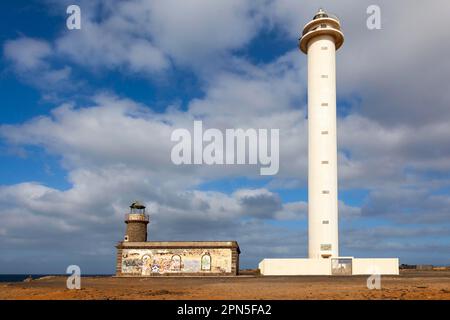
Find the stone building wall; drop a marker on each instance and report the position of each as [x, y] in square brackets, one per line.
[162, 261]
[152, 259]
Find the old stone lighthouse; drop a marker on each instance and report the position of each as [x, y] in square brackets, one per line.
[138, 257]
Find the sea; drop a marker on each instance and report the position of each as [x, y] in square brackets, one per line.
[21, 277]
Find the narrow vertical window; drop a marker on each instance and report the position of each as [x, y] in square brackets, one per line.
[206, 262]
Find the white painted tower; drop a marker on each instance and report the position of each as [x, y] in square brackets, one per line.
[321, 38]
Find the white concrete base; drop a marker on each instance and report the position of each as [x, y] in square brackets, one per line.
[375, 266]
[332, 266]
[294, 267]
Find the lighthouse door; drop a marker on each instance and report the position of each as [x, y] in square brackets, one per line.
[341, 266]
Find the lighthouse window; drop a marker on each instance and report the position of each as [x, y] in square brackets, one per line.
[206, 262]
[324, 132]
[325, 222]
[325, 104]
[325, 192]
[325, 76]
[325, 162]
[324, 48]
[325, 247]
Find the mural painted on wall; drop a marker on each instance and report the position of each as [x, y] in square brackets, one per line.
[151, 261]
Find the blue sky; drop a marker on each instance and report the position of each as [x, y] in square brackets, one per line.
[86, 117]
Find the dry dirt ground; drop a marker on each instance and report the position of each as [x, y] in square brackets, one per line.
[408, 285]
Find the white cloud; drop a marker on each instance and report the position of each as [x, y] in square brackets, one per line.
[108, 46]
[145, 36]
[193, 32]
[347, 211]
[30, 59]
[27, 53]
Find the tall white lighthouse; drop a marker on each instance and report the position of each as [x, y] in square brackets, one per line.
[320, 40]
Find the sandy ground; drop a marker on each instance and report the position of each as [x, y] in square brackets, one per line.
[408, 285]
